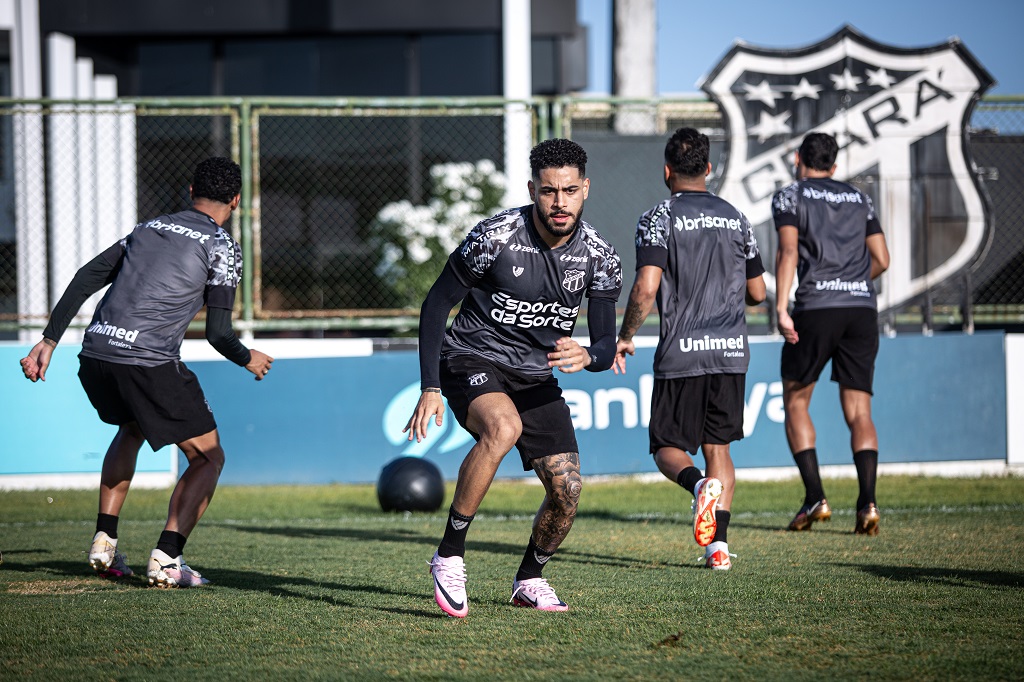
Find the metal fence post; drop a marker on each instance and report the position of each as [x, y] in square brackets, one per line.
[246, 163]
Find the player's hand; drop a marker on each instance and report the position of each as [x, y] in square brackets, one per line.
[259, 364]
[622, 349]
[787, 328]
[569, 356]
[38, 359]
[430, 405]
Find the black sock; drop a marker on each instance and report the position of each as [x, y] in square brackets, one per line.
[689, 477]
[866, 462]
[454, 541]
[807, 463]
[107, 523]
[533, 562]
[171, 543]
[722, 517]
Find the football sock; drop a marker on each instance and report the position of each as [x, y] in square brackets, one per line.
[171, 543]
[454, 541]
[107, 523]
[689, 477]
[722, 517]
[866, 462]
[807, 463]
[533, 562]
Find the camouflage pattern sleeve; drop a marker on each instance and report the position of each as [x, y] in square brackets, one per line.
[784, 206]
[652, 228]
[225, 271]
[478, 251]
[607, 278]
[652, 232]
[873, 225]
[755, 266]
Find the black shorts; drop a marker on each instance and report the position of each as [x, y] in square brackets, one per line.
[547, 424]
[689, 411]
[847, 336]
[166, 401]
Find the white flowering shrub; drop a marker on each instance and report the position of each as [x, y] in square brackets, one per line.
[415, 240]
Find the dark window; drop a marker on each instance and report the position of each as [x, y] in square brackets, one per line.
[363, 66]
[271, 67]
[460, 65]
[176, 68]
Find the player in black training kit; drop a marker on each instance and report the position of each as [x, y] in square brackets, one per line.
[829, 233]
[521, 276]
[697, 255]
[160, 276]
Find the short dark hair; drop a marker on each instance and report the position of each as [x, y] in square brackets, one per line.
[819, 151]
[217, 178]
[558, 153]
[687, 153]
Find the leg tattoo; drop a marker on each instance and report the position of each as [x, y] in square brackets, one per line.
[560, 475]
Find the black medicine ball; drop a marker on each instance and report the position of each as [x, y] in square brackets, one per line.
[410, 484]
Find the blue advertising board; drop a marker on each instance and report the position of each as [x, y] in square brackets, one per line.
[340, 419]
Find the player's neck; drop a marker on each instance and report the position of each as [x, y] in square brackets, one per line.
[216, 210]
[688, 185]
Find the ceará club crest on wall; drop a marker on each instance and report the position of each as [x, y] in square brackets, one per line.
[900, 116]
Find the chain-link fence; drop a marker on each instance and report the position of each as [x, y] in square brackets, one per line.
[953, 217]
[350, 207]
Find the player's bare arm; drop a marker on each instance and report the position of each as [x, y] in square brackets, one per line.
[430, 405]
[756, 290]
[879, 254]
[641, 300]
[785, 272]
[38, 359]
[560, 475]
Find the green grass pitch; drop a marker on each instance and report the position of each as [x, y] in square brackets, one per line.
[316, 583]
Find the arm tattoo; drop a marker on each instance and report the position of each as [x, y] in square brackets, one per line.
[560, 475]
[631, 321]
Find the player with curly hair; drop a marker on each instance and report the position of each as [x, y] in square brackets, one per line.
[521, 276]
[160, 276]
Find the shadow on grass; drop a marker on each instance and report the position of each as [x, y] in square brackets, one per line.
[961, 577]
[295, 587]
[819, 529]
[429, 543]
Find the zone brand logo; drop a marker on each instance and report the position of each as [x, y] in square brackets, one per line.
[573, 259]
[524, 249]
[478, 379]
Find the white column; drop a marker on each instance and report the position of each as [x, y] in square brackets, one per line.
[62, 175]
[21, 17]
[108, 225]
[633, 57]
[127, 177]
[517, 78]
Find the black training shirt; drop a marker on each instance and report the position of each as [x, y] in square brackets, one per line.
[523, 295]
[171, 267]
[707, 250]
[834, 220]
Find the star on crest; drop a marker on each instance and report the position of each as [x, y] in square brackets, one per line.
[880, 77]
[770, 126]
[805, 89]
[847, 81]
[761, 92]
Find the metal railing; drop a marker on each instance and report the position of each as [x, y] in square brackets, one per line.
[350, 206]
